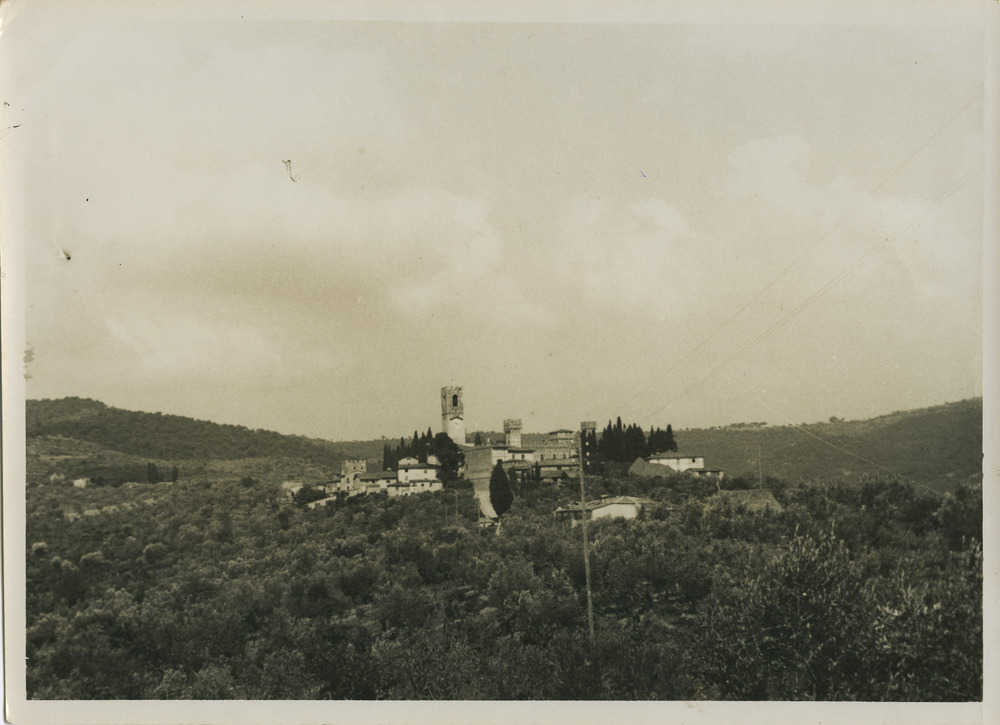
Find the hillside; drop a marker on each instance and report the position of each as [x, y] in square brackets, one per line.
[929, 445]
[212, 589]
[85, 431]
[933, 446]
[701, 596]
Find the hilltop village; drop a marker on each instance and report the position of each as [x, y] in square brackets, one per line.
[556, 457]
[874, 583]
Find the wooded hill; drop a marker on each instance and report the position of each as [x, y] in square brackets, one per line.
[933, 446]
[862, 590]
[155, 435]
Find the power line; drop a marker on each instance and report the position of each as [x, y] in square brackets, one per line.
[809, 300]
[805, 253]
[842, 449]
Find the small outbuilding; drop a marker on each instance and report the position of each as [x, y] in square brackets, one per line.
[616, 507]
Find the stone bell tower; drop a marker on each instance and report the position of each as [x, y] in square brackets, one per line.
[453, 413]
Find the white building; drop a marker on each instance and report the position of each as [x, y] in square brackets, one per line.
[677, 461]
[618, 507]
[416, 472]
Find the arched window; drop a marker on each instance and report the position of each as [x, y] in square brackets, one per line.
[454, 401]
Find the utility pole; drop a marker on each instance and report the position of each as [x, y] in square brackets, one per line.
[760, 470]
[586, 549]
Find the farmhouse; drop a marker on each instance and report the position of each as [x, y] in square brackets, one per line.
[372, 482]
[412, 476]
[617, 507]
[664, 464]
[410, 470]
[408, 488]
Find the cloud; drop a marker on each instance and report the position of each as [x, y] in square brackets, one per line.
[634, 256]
[769, 169]
[817, 231]
[170, 346]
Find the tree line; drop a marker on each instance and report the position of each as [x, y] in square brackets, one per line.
[449, 455]
[154, 435]
[623, 444]
[856, 591]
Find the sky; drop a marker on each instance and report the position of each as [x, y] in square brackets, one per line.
[311, 224]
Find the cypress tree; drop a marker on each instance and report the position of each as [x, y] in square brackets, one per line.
[501, 495]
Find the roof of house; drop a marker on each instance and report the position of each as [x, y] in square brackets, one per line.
[419, 465]
[674, 455]
[321, 502]
[610, 501]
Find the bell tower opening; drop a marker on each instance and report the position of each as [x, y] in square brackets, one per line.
[453, 413]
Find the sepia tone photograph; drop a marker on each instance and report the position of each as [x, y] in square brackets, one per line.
[416, 363]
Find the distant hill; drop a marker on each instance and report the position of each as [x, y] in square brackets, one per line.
[929, 445]
[168, 437]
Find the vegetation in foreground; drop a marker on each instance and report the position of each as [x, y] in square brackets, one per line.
[214, 587]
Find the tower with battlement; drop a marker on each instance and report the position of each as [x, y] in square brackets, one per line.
[453, 413]
[512, 430]
[353, 466]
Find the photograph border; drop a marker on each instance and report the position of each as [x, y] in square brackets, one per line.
[15, 166]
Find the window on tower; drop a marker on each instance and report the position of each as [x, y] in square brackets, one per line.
[454, 401]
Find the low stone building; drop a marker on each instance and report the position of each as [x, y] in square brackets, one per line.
[321, 503]
[400, 488]
[373, 482]
[617, 507]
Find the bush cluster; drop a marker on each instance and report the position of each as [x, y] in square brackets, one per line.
[194, 591]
